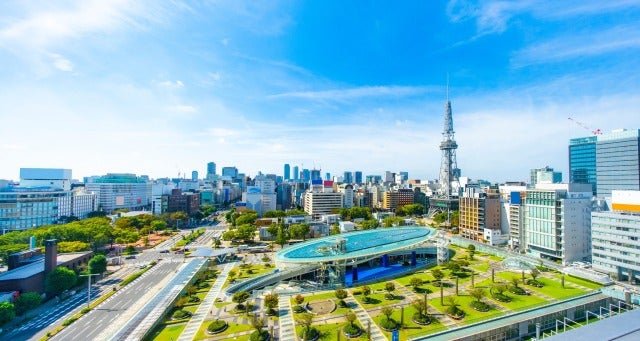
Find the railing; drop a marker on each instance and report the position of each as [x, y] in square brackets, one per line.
[270, 278]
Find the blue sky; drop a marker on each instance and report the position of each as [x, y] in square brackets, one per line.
[159, 87]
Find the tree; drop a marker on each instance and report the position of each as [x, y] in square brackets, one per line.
[239, 298]
[192, 290]
[350, 317]
[59, 280]
[437, 274]
[271, 301]
[472, 250]
[415, 282]
[499, 288]
[282, 237]
[74, 246]
[477, 293]
[369, 224]
[181, 302]
[179, 217]
[258, 323]
[341, 294]
[274, 214]
[387, 311]
[245, 232]
[420, 306]
[515, 281]
[98, 264]
[453, 304]
[27, 301]
[390, 287]
[299, 299]
[366, 291]
[7, 312]
[299, 231]
[247, 218]
[216, 242]
[273, 229]
[392, 221]
[534, 273]
[229, 235]
[158, 225]
[335, 229]
[232, 274]
[305, 320]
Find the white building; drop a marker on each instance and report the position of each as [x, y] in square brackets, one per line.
[347, 192]
[46, 177]
[318, 202]
[121, 191]
[557, 222]
[346, 226]
[616, 237]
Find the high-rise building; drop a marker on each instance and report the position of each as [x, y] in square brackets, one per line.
[358, 177]
[296, 173]
[306, 175]
[315, 174]
[194, 175]
[545, 175]
[230, 172]
[557, 222]
[121, 191]
[327, 176]
[582, 161]
[606, 161]
[318, 202]
[287, 172]
[347, 178]
[616, 237]
[211, 169]
[618, 161]
[479, 210]
[391, 200]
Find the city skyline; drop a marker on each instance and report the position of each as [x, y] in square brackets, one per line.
[157, 89]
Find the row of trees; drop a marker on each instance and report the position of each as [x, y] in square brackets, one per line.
[20, 306]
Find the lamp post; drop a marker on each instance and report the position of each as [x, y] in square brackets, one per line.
[89, 287]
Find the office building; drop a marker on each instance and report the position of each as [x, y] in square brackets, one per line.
[616, 237]
[194, 175]
[287, 172]
[479, 210]
[545, 175]
[26, 208]
[347, 178]
[357, 177]
[606, 161]
[231, 172]
[296, 173]
[618, 162]
[179, 201]
[121, 191]
[315, 174]
[306, 175]
[557, 222]
[392, 200]
[46, 177]
[319, 200]
[582, 161]
[211, 170]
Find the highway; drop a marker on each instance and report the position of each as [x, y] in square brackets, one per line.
[90, 326]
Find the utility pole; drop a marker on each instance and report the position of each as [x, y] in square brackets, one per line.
[89, 287]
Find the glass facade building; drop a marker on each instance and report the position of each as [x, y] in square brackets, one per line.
[582, 161]
[618, 162]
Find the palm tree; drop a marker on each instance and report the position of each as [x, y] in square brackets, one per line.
[453, 304]
[515, 281]
[420, 306]
[534, 273]
[478, 294]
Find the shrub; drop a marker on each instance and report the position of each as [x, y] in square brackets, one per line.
[262, 335]
[351, 329]
[180, 314]
[535, 283]
[389, 324]
[216, 326]
[309, 334]
[501, 297]
[517, 290]
[480, 306]
[421, 318]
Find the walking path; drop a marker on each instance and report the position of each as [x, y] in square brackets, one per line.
[205, 306]
[287, 330]
[365, 320]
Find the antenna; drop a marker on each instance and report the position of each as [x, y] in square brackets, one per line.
[447, 86]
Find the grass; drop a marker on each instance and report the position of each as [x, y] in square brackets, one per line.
[328, 332]
[169, 332]
[471, 315]
[233, 328]
[578, 281]
[410, 329]
[378, 300]
[554, 289]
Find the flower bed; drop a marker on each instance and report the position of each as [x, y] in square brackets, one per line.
[421, 319]
[480, 306]
[500, 297]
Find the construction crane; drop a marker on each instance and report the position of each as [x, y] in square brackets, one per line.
[594, 132]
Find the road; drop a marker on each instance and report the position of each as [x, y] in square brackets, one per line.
[91, 325]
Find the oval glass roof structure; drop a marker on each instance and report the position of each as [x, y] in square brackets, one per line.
[355, 244]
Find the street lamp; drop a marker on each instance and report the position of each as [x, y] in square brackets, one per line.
[89, 287]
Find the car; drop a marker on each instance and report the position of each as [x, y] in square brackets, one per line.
[130, 257]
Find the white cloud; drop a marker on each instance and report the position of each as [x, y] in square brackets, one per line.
[355, 93]
[187, 109]
[577, 45]
[171, 84]
[61, 63]
[225, 41]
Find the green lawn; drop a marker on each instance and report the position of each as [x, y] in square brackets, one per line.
[578, 281]
[328, 332]
[169, 332]
[554, 289]
[471, 315]
[233, 328]
[410, 329]
[481, 267]
[378, 300]
[519, 302]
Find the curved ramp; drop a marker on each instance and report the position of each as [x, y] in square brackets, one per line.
[271, 278]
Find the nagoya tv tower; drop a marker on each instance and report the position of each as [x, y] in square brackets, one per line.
[447, 195]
